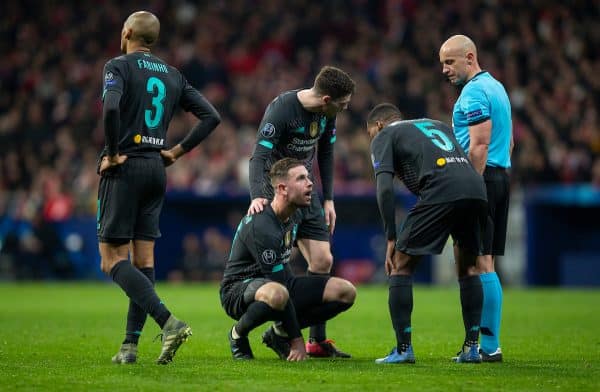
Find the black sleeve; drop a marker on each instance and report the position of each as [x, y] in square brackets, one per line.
[269, 132]
[192, 101]
[111, 118]
[325, 159]
[385, 200]
[115, 72]
[382, 155]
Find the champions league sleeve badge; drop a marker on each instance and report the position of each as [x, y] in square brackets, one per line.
[268, 130]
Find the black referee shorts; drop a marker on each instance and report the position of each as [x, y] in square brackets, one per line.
[130, 198]
[426, 228]
[497, 185]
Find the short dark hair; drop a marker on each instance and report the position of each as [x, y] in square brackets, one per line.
[334, 82]
[279, 170]
[384, 112]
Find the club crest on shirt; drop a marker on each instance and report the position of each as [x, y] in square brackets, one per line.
[287, 239]
[269, 256]
[314, 129]
[268, 130]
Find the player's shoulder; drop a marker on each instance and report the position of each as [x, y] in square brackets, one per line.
[284, 99]
[117, 61]
[263, 220]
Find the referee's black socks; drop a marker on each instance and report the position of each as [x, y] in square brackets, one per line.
[140, 290]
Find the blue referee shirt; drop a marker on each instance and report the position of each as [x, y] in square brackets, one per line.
[483, 98]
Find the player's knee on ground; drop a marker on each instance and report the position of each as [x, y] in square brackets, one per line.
[341, 290]
[273, 294]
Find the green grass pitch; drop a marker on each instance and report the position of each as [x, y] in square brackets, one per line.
[62, 336]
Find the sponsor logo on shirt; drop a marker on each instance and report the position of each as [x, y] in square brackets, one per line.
[474, 114]
[155, 141]
[269, 256]
[268, 130]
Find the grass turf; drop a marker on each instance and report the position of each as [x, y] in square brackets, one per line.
[62, 336]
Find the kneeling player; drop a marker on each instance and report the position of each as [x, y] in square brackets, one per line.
[258, 284]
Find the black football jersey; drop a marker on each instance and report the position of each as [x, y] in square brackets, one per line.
[425, 155]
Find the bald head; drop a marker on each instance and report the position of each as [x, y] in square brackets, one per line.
[458, 56]
[460, 44]
[142, 27]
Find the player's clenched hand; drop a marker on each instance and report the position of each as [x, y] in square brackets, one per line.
[297, 350]
[111, 161]
[257, 205]
[389, 256]
[170, 156]
[330, 215]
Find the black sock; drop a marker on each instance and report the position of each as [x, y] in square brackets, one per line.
[289, 320]
[136, 317]
[400, 302]
[317, 332]
[139, 289]
[257, 313]
[320, 313]
[471, 300]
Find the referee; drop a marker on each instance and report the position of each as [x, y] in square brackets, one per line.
[483, 126]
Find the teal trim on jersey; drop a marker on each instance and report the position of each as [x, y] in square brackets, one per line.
[407, 330]
[138, 333]
[333, 139]
[247, 280]
[277, 268]
[266, 144]
[299, 130]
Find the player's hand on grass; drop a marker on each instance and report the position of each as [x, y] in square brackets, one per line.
[297, 350]
[389, 256]
[257, 205]
[111, 161]
[330, 215]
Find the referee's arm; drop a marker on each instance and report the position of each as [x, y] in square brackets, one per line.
[479, 142]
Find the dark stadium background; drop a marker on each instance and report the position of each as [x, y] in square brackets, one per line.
[241, 54]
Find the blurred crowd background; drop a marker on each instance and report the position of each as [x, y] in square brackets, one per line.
[240, 54]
